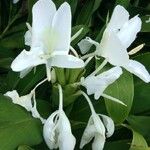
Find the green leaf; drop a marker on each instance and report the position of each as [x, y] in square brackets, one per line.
[138, 142]
[123, 90]
[17, 126]
[141, 103]
[24, 147]
[140, 124]
[124, 3]
[5, 63]
[145, 23]
[87, 11]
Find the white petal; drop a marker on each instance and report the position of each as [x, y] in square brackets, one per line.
[98, 143]
[109, 124]
[28, 38]
[128, 32]
[138, 69]
[24, 101]
[43, 12]
[61, 27]
[66, 140]
[88, 134]
[97, 84]
[27, 59]
[84, 45]
[66, 61]
[15, 1]
[49, 132]
[112, 49]
[119, 17]
[12, 94]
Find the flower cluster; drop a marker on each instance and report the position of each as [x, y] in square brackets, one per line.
[49, 40]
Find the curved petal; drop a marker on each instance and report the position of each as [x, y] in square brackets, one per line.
[109, 125]
[98, 143]
[138, 69]
[119, 17]
[66, 140]
[27, 59]
[43, 12]
[66, 61]
[49, 131]
[128, 32]
[88, 133]
[61, 27]
[112, 49]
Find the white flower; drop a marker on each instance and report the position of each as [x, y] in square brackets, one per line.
[26, 102]
[96, 129]
[49, 39]
[57, 129]
[97, 84]
[118, 36]
[15, 1]
[99, 127]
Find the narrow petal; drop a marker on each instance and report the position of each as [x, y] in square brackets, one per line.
[119, 17]
[109, 125]
[27, 59]
[28, 38]
[112, 49]
[61, 27]
[128, 32]
[15, 1]
[66, 61]
[43, 12]
[138, 69]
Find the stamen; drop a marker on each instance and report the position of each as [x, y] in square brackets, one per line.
[99, 68]
[74, 51]
[88, 55]
[136, 49]
[88, 60]
[48, 72]
[113, 99]
[60, 97]
[76, 34]
[89, 102]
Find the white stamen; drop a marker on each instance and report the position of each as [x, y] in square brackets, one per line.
[76, 34]
[74, 51]
[113, 99]
[99, 68]
[136, 49]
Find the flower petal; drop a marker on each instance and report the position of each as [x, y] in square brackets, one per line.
[109, 125]
[66, 140]
[66, 61]
[27, 59]
[119, 17]
[61, 26]
[84, 45]
[128, 32]
[28, 38]
[43, 12]
[98, 143]
[24, 101]
[112, 49]
[138, 69]
[49, 132]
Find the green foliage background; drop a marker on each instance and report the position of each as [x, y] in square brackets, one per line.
[19, 131]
